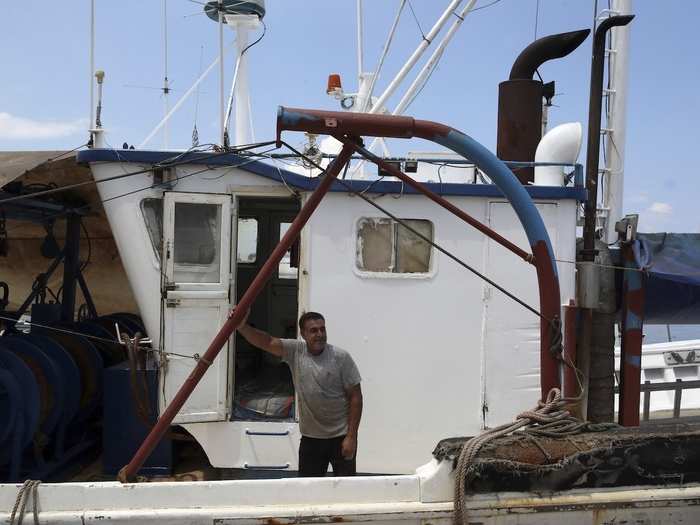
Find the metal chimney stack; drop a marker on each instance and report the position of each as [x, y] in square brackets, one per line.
[520, 100]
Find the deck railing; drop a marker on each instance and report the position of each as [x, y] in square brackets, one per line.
[677, 386]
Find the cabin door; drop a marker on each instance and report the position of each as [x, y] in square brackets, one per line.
[511, 334]
[196, 291]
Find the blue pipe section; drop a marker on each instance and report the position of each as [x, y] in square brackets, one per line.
[502, 177]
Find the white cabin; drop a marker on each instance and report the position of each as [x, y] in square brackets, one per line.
[441, 353]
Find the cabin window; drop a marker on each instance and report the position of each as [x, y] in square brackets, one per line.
[287, 268]
[247, 241]
[152, 210]
[197, 242]
[385, 246]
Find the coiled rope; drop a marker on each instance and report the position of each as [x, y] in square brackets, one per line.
[549, 419]
[29, 489]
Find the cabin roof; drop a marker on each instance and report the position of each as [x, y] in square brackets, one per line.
[303, 183]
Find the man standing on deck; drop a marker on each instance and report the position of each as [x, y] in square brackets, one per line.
[327, 383]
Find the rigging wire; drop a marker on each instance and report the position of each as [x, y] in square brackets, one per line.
[87, 206]
[425, 239]
[410, 6]
[385, 52]
[486, 5]
[93, 337]
[195, 133]
[163, 164]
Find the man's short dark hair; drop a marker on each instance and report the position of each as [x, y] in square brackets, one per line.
[310, 316]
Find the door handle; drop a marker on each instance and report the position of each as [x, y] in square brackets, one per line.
[261, 433]
[266, 467]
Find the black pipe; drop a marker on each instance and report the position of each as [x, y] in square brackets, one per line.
[520, 100]
[544, 49]
[71, 266]
[593, 149]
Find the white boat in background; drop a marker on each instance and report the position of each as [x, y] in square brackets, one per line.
[670, 379]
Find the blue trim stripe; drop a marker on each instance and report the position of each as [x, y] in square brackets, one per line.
[309, 184]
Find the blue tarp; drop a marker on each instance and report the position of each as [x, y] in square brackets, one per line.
[672, 262]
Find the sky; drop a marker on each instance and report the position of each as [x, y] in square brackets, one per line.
[44, 87]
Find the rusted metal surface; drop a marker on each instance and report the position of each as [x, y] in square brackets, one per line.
[519, 123]
[550, 327]
[631, 333]
[395, 172]
[342, 123]
[545, 49]
[520, 100]
[235, 318]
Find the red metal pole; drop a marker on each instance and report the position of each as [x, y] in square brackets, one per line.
[235, 317]
[631, 351]
[392, 170]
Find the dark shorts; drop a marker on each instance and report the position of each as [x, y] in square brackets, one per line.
[315, 455]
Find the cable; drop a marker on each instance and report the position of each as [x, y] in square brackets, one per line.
[93, 337]
[485, 6]
[410, 6]
[427, 240]
[87, 206]
[162, 164]
[246, 48]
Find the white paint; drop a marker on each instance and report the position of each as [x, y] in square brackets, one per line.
[511, 339]
[242, 25]
[562, 145]
[420, 343]
[380, 500]
[193, 311]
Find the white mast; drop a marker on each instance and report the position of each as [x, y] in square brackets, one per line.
[616, 119]
[222, 128]
[92, 64]
[242, 24]
[360, 60]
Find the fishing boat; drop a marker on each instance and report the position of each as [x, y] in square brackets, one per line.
[204, 235]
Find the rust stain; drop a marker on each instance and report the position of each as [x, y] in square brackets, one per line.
[337, 519]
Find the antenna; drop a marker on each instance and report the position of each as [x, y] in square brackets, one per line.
[92, 63]
[166, 86]
[360, 60]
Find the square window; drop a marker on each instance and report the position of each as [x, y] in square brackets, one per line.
[385, 246]
[247, 241]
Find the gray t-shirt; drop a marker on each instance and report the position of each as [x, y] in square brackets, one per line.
[321, 382]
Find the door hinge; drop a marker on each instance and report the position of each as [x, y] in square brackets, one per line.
[172, 303]
[169, 287]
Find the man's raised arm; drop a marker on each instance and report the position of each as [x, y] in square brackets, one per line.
[260, 339]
